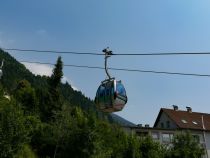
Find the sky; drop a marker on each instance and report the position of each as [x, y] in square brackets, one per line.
[125, 26]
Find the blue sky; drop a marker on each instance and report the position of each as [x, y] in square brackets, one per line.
[136, 26]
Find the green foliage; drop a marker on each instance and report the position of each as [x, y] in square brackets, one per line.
[76, 98]
[25, 152]
[133, 147]
[54, 95]
[25, 94]
[77, 134]
[13, 133]
[151, 149]
[13, 72]
[43, 140]
[57, 74]
[185, 146]
[54, 82]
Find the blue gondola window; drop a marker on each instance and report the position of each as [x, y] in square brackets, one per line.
[121, 89]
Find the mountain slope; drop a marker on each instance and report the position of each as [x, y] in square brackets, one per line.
[13, 72]
[121, 121]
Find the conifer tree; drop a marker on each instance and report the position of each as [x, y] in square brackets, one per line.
[57, 74]
[54, 86]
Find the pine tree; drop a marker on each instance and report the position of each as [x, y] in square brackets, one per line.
[57, 75]
[54, 87]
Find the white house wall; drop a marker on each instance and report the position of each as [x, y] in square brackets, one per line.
[163, 119]
[207, 136]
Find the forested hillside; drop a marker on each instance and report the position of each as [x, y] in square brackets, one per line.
[15, 72]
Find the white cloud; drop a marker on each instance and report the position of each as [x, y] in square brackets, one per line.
[39, 69]
[65, 79]
[74, 88]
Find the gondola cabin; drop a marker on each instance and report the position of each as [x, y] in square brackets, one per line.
[111, 96]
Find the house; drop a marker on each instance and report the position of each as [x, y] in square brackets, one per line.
[179, 119]
[171, 121]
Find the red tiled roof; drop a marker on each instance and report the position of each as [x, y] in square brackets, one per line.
[193, 119]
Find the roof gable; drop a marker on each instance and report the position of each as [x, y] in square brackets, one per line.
[186, 120]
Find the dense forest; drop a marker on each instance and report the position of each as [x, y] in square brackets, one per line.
[42, 118]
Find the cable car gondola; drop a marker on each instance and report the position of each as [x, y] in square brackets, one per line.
[111, 95]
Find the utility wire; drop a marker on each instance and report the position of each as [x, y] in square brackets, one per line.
[50, 51]
[124, 69]
[120, 54]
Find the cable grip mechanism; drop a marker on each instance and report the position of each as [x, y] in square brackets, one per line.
[108, 54]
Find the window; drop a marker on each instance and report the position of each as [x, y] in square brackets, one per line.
[142, 134]
[155, 135]
[184, 121]
[168, 124]
[167, 137]
[120, 89]
[194, 122]
[162, 125]
[101, 91]
[196, 138]
[107, 92]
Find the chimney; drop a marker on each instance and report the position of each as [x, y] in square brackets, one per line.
[175, 107]
[139, 125]
[147, 125]
[189, 109]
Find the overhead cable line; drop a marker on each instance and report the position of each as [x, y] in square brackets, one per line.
[123, 69]
[114, 54]
[50, 51]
